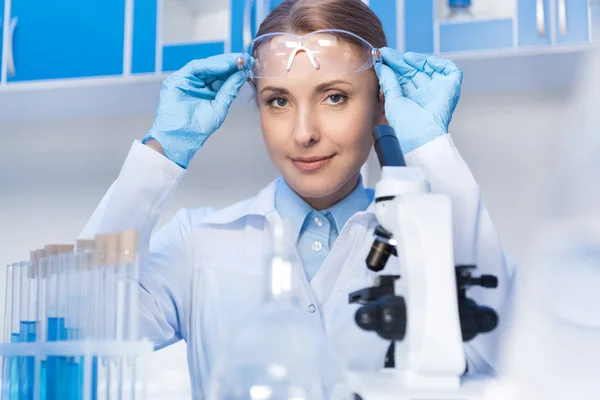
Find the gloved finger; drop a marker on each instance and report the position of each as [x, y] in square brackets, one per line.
[420, 79]
[394, 59]
[229, 90]
[443, 66]
[419, 62]
[222, 64]
[216, 85]
[388, 81]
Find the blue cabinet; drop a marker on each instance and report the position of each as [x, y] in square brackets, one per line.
[189, 30]
[1, 32]
[144, 38]
[534, 22]
[549, 22]
[572, 21]
[67, 38]
[428, 30]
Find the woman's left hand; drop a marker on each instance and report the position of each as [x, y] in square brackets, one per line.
[421, 93]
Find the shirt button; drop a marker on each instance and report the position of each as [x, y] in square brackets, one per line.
[317, 246]
[312, 308]
[318, 221]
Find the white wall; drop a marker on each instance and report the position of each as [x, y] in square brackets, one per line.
[52, 173]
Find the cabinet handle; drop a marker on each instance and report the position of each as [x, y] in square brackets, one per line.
[247, 34]
[540, 17]
[10, 60]
[562, 17]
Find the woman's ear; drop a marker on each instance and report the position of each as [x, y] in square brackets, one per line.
[251, 82]
[382, 120]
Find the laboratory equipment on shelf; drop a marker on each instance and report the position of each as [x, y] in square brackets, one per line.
[71, 323]
[425, 313]
[459, 9]
[281, 353]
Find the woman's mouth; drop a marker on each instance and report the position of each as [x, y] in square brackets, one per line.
[311, 164]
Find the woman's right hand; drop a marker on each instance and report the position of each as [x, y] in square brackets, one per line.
[193, 104]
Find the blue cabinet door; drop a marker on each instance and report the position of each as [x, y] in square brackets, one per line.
[1, 32]
[68, 38]
[418, 26]
[239, 22]
[143, 49]
[534, 22]
[177, 55]
[476, 35]
[572, 21]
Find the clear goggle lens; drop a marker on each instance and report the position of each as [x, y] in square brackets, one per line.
[331, 52]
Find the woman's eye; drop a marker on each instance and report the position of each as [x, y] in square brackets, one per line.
[336, 98]
[278, 102]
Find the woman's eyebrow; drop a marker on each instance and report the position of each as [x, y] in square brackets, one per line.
[326, 85]
[275, 89]
[320, 88]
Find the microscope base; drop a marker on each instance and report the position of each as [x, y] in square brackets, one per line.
[387, 385]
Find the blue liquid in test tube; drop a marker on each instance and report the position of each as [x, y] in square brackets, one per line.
[27, 364]
[14, 371]
[15, 330]
[28, 327]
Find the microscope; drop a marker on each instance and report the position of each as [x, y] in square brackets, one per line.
[425, 313]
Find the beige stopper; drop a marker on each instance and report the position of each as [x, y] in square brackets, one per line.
[41, 253]
[32, 267]
[85, 244]
[128, 246]
[65, 248]
[100, 243]
[112, 249]
[51, 250]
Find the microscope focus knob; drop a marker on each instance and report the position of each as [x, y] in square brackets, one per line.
[386, 316]
[476, 319]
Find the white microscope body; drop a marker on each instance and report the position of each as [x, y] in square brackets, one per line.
[429, 359]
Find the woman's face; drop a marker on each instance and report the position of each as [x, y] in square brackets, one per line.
[318, 128]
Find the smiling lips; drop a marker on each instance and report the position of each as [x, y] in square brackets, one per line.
[311, 164]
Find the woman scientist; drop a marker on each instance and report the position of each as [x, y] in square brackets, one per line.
[319, 105]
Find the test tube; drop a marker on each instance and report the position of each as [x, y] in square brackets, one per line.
[84, 262]
[28, 325]
[6, 334]
[55, 269]
[41, 334]
[99, 370]
[127, 324]
[111, 312]
[15, 329]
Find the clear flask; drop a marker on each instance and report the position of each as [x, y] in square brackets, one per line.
[281, 353]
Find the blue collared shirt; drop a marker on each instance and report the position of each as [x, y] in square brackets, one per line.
[316, 231]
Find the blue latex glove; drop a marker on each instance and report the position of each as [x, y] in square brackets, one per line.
[193, 104]
[421, 93]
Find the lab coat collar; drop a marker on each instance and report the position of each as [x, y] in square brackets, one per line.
[263, 204]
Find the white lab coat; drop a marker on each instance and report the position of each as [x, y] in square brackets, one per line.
[205, 269]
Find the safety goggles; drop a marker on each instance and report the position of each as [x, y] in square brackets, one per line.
[329, 51]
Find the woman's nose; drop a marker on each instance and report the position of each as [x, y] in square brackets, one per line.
[306, 131]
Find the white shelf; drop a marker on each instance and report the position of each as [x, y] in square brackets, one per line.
[193, 21]
[535, 69]
[93, 97]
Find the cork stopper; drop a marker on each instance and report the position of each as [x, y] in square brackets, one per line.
[32, 269]
[100, 243]
[51, 250]
[65, 248]
[112, 249]
[85, 244]
[128, 247]
[40, 254]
